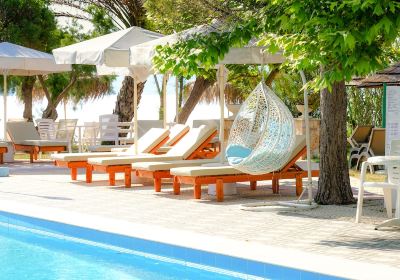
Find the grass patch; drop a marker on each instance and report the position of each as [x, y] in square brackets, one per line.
[369, 177]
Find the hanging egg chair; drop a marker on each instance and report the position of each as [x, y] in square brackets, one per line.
[262, 135]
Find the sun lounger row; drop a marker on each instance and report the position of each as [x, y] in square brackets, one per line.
[187, 162]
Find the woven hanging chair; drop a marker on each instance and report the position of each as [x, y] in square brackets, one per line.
[262, 136]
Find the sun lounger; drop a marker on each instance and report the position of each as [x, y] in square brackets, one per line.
[359, 137]
[3, 150]
[25, 138]
[375, 147]
[223, 173]
[192, 146]
[147, 144]
[161, 170]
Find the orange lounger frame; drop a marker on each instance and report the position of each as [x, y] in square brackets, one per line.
[35, 150]
[290, 171]
[3, 150]
[74, 165]
[202, 152]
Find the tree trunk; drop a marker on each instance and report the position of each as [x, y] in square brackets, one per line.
[27, 87]
[50, 112]
[199, 87]
[124, 104]
[334, 181]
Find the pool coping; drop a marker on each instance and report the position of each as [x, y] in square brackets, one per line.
[254, 251]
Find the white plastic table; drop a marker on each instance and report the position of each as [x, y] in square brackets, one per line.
[387, 161]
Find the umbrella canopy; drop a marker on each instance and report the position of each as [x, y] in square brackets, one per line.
[141, 56]
[110, 53]
[16, 60]
[111, 50]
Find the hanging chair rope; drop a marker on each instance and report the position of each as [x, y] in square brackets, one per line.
[262, 135]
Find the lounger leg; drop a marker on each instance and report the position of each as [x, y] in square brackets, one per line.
[220, 190]
[128, 177]
[31, 156]
[275, 185]
[176, 186]
[253, 185]
[157, 184]
[89, 174]
[299, 185]
[111, 178]
[74, 173]
[1, 158]
[197, 191]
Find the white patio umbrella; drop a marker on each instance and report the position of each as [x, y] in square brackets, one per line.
[110, 53]
[16, 60]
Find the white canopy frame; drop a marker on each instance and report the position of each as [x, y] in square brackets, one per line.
[16, 60]
[110, 53]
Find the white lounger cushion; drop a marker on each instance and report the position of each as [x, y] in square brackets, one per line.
[152, 138]
[21, 131]
[220, 169]
[225, 169]
[162, 166]
[43, 143]
[124, 160]
[185, 147]
[176, 132]
[81, 156]
[191, 141]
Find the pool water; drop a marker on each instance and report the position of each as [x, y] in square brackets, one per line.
[28, 255]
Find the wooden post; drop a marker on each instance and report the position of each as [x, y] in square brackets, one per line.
[176, 186]
[220, 190]
[157, 184]
[253, 185]
[128, 177]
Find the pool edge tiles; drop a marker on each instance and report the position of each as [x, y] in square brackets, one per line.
[216, 263]
[255, 253]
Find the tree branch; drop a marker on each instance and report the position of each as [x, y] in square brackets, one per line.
[66, 89]
[45, 90]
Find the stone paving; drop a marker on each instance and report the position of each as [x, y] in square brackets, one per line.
[328, 230]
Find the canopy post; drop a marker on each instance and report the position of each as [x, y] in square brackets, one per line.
[65, 109]
[308, 137]
[164, 95]
[176, 99]
[5, 105]
[135, 119]
[221, 83]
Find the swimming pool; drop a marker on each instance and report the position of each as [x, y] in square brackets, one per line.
[31, 248]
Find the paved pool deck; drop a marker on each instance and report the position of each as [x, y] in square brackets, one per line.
[326, 234]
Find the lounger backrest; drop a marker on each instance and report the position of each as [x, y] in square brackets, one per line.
[176, 133]
[299, 144]
[361, 133]
[20, 131]
[377, 142]
[151, 139]
[191, 141]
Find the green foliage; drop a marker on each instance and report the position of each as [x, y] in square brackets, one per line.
[101, 21]
[27, 22]
[364, 107]
[344, 38]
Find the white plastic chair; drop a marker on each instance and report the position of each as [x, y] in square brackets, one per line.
[66, 131]
[392, 163]
[90, 134]
[108, 128]
[46, 129]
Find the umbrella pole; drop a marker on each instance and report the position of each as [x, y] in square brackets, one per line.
[221, 84]
[164, 93]
[5, 105]
[308, 138]
[135, 120]
[176, 99]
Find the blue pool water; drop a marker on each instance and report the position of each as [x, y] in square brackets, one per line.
[36, 249]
